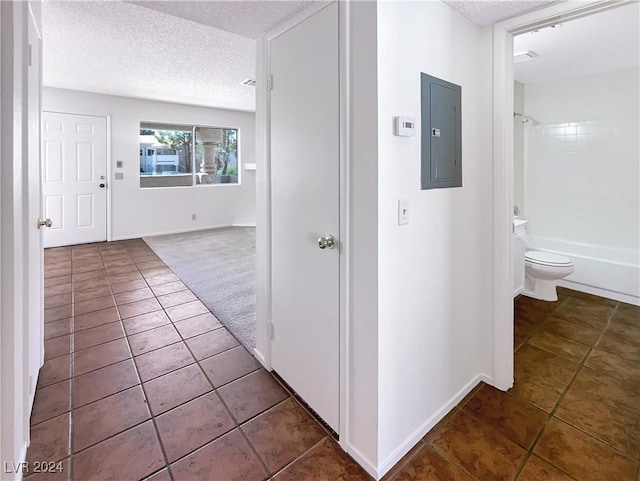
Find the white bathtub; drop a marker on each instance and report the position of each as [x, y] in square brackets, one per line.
[603, 271]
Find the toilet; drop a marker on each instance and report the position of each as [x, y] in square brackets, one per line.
[542, 271]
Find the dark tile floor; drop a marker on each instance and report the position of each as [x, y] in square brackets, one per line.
[141, 381]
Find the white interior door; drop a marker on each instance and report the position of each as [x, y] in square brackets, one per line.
[34, 209]
[305, 206]
[74, 151]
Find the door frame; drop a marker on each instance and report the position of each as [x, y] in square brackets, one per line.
[503, 33]
[108, 174]
[16, 18]
[262, 350]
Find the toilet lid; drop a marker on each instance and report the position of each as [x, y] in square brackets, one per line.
[547, 258]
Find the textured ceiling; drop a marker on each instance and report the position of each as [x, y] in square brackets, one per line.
[121, 48]
[193, 52]
[601, 42]
[248, 18]
[488, 12]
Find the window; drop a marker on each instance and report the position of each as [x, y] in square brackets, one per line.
[216, 156]
[169, 157]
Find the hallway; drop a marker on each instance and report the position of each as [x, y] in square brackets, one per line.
[139, 374]
[141, 380]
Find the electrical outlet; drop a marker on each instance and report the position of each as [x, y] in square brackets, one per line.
[194, 216]
[403, 211]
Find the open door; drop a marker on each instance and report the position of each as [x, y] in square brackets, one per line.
[34, 258]
[305, 206]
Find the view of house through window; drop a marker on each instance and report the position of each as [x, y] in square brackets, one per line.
[169, 157]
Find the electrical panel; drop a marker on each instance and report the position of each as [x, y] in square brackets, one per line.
[441, 121]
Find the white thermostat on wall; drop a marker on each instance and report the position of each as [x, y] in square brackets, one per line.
[404, 126]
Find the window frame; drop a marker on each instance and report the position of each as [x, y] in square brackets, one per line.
[237, 129]
[193, 127]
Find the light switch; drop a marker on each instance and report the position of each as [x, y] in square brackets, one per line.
[403, 211]
[118, 176]
[118, 164]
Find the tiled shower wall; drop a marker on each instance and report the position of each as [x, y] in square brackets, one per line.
[581, 178]
[581, 182]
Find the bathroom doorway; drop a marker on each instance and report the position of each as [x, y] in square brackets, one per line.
[575, 172]
[503, 128]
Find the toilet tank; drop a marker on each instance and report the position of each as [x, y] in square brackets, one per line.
[518, 250]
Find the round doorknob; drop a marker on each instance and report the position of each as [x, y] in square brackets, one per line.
[327, 242]
[45, 223]
[102, 186]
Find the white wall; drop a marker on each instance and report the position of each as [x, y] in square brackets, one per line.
[609, 95]
[140, 212]
[362, 216]
[435, 328]
[518, 147]
[582, 173]
[419, 297]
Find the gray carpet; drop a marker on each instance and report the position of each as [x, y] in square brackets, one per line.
[219, 266]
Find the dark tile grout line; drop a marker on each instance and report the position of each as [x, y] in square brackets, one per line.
[71, 381]
[142, 388]
[423, 445]
[227, 408]
[580, 367]
[422, 441]
[121, 322]
[72, 453]
[538, 326]
[151, 416]
[292, 396]
[455, 412]
[238, 425]
[449, 417]
[528, 451]
[434, 431]
[303, 454]
[214, 389]
[551, 415]
[72, 371]
[460, 407]
[262, 462]
[150, 379]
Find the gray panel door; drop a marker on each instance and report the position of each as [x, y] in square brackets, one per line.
[443, 145]
[441, 112]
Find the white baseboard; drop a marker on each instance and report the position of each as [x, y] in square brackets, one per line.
[13, 470]
[419, 433]
[178, 231]
[244, 225]
[258, 355]
[596, 291]
[362, 460]
[23, 459]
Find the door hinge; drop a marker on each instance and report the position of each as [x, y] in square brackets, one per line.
[269, 82]
[270, 330]
[30, 55]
